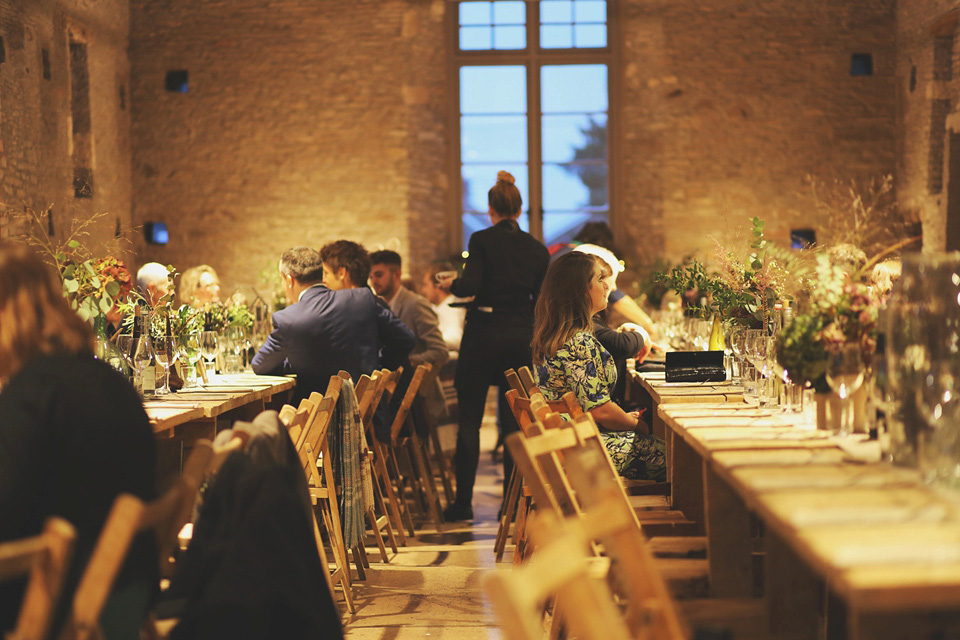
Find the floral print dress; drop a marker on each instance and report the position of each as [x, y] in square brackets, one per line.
[583, 366]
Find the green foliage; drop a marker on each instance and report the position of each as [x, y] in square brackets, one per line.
[800, 352]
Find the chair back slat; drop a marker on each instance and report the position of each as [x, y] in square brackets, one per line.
[514, 381]
[526, 379]
[44, 558]
[96, 583]
[403, 411]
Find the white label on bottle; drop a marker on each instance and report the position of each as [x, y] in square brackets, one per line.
[149, 380]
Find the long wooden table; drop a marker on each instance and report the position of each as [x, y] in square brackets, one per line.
[181, 418]
[852, 549]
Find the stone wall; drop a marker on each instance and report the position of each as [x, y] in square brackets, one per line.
[302, 123]
[39, 145]
[728, 106]
[926, 77]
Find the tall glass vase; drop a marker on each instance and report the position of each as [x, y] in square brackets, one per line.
[104, 349]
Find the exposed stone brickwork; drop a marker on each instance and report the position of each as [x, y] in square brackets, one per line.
[923, 86]
[36, 169]
[304, 122]
[726, 107]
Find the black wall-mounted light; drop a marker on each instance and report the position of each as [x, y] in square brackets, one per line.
[156, 232]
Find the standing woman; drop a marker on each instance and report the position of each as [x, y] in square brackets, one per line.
[73, 435]
[568, 357]
[503, 272]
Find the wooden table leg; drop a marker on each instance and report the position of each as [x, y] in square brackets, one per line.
[729, 545]
[686, 482]
[794, 595]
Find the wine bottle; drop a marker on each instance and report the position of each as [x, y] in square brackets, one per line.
[144, 360]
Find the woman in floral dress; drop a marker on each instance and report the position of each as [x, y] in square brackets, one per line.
[568, 357]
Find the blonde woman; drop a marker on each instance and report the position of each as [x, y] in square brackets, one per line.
[568, 357]
[199, 285]
[73, 435]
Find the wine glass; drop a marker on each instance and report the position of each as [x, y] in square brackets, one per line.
[190, 352]
[167, 353]
[845, 369]
[209, 348]
[734, 344]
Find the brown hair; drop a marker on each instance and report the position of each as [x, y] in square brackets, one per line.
[504, 197]
[563, 307]
[348, 255]
[35, 318]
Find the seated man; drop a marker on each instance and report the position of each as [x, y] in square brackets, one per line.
[153, 280]
[414, 311]
[324, 331]
[346, 265]
[412, 308]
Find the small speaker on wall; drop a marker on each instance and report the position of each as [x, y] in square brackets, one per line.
[156, 232]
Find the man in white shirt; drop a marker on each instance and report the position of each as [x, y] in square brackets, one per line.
[450, 318]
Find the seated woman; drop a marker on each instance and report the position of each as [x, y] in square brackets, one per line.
[199, 285]
[568, 357]
[73, 435]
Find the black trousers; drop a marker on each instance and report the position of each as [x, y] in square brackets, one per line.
[489, 346]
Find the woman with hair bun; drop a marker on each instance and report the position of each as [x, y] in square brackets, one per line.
[503, 273]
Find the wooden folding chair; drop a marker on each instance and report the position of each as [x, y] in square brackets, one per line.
[44, 560]
[520, 406]
[561, 570]
[375, 510]
[385, 493]
[443, 463]
[129, 515]
[610, 519]
[423, 487]
[313, 444]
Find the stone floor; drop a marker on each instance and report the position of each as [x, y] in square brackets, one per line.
[432, 587]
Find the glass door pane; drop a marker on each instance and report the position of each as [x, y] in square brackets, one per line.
[493, 136]
[575, 159]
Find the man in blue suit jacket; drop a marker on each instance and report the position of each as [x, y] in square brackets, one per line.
[324, 331]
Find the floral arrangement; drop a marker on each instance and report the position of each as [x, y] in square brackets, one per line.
[91, 285]
[739, 290]
[94, 285]
[835, 310]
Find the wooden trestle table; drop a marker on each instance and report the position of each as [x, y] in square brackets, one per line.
[852, 549]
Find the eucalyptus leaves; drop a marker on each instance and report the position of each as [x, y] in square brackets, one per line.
[94, 285]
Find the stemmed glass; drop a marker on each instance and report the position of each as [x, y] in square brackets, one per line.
[734, 345]
[190, 351]
[209, 347]
[845, 369]
[167, 353]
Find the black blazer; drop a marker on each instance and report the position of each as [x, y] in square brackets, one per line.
[504, 270]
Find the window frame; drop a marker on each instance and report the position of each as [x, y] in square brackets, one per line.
[533, 58]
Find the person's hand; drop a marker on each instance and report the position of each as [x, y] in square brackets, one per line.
[648, 344]
[444, 279]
